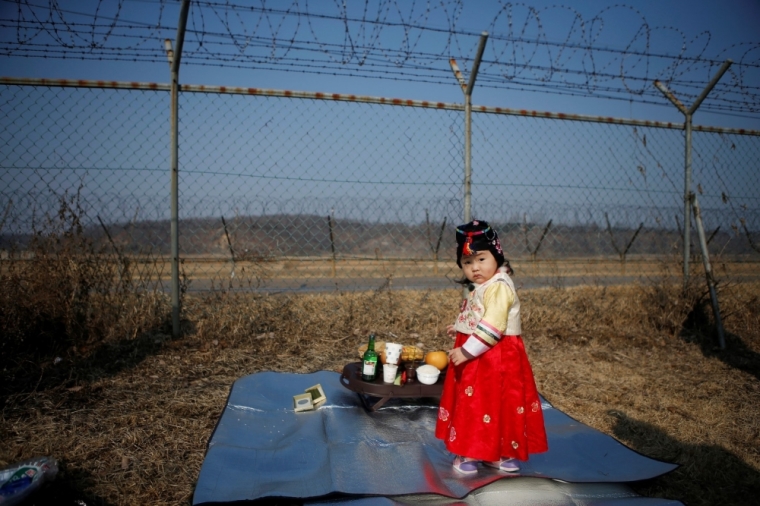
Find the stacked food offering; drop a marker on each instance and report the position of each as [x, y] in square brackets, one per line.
[411, 364]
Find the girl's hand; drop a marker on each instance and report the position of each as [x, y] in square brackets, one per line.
[457, 357]
[451, 332]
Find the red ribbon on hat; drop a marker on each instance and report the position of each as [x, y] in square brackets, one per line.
[466, 249]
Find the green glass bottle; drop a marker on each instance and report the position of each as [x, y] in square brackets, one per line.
[369, 361]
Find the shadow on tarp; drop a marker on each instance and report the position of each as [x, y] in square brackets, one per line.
[508, 491]
[262, 451]
[517, 492]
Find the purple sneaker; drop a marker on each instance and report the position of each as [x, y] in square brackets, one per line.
[465, 465]
[506, 465]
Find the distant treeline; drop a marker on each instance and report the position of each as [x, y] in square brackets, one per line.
[257, 237]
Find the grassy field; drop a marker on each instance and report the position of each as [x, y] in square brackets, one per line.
[128, 412]
[324, 267]
[322, 273]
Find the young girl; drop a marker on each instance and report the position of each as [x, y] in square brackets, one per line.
[490, 411]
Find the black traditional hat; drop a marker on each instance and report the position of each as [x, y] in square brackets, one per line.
[478, 236]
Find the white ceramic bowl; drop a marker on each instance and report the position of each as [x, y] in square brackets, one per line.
[427, 374]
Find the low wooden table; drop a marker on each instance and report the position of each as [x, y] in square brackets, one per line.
[351, 378]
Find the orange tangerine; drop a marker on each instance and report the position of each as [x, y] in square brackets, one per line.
[438, 359]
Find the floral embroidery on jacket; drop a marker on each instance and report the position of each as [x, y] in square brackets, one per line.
[470, 313]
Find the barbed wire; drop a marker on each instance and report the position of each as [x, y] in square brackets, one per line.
[403, 41]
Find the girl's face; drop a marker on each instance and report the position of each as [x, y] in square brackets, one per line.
[479, 267]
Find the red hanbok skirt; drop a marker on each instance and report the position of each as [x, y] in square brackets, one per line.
[490, 406]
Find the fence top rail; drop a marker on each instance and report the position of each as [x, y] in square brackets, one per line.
[339, 97]
[84, 83]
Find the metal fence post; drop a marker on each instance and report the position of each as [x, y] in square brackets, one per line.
[467, 214]
[175, 168]
[467, 88]
[688, 113]
[708, 270]
[687, 200]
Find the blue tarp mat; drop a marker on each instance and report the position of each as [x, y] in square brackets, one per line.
[261, 448]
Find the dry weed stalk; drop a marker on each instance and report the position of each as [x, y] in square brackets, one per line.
[69, 293]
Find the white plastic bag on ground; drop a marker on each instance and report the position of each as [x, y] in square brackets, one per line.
[23, 478]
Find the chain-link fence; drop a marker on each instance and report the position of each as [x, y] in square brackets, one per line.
[285, 192]
[592, 185]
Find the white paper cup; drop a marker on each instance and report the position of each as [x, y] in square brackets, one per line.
[393, 353]
[389, 373]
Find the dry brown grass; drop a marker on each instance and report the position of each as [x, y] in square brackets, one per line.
[130, 419]
[64, 292]
[205, 269]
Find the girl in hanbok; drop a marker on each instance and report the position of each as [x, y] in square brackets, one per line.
[490, 412]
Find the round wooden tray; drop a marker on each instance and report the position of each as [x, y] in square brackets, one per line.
[351, 378]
